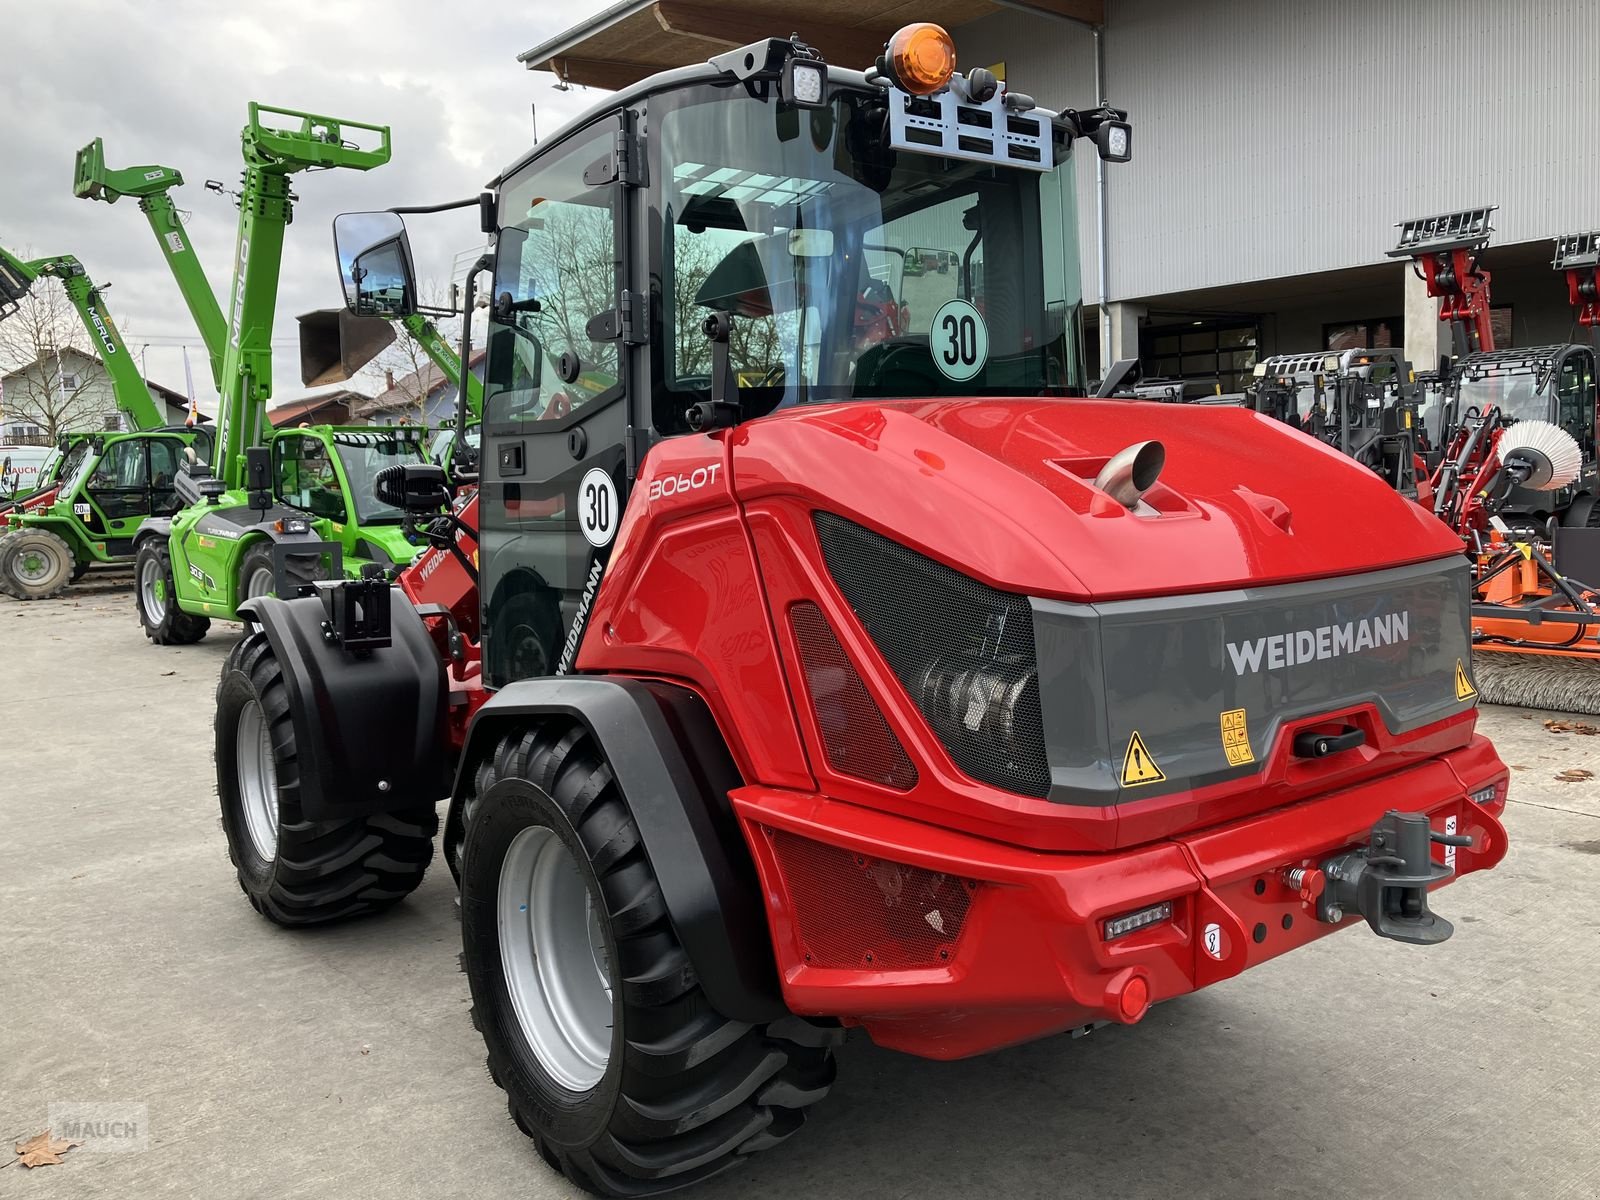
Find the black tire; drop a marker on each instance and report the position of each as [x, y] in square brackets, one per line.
[318, 871]
[524, 638]
[35, 564]
[163, 621]
[256, 561]
[685, 1092]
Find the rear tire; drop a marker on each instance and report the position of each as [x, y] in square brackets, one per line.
[634, 1086]
[294, 871]
[164, 622]
[35, 564]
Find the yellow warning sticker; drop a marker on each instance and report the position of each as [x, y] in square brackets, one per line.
[1236, 738]
[1137, 766]
[1464, 688]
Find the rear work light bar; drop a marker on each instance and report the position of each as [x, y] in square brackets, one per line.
[1139, 919]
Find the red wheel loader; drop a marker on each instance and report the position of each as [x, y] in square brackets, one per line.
[835, 682]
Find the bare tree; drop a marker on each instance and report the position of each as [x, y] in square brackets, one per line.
[35, 341]
[406, 362]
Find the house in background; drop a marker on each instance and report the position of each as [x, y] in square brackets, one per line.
[332, 405]
[80, 396]
[422, 397]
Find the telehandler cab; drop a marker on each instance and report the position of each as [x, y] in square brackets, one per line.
[837, 681]
[105, 485]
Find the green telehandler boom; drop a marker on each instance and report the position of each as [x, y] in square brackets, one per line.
[279, 507]
[151, 186]
[104, 486]
[132, 394]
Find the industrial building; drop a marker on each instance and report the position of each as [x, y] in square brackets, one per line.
[1277, 145]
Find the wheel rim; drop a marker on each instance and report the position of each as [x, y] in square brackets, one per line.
[153, 591]
[258, 780]
[553, 951]
[33, 566]
[259, 583]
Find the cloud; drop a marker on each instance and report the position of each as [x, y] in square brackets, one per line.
[169, 84]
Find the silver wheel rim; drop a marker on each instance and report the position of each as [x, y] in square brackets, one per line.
[152, 591]
[553, 953]
[33, 565]
[258, 780]
[259, 583]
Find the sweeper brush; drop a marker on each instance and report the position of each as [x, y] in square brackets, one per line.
[1547, 681]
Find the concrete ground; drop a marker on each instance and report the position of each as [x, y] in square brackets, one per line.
[341, 1063]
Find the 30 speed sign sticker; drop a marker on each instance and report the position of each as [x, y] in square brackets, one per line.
[959, 340]
[598, 513]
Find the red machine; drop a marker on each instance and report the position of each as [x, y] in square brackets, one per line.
[836, 681]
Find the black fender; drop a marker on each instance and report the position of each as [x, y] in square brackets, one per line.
[152, 527]
[674, 770]
[369, 726]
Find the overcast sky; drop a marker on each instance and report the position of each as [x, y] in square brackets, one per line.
[168, 83]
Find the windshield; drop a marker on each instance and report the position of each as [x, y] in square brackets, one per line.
[852, 270]
[439, 448]
[363, 455]
[78, 461]
[1515, 396]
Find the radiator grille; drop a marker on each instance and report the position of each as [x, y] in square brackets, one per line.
[855, 737]
[964, 652]
[856, 912]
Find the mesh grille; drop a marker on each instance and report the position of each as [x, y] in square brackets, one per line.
[963, 650]
[852, 911]
[856, 738]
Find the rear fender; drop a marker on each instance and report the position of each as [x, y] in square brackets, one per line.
[675, 773]
[368, 725]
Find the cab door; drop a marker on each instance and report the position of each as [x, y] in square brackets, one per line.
[553, 477]
[1575, 400]
[116, 496]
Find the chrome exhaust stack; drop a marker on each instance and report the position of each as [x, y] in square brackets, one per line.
[1132, 472]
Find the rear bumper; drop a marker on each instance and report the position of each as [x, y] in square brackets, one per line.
[944, 945]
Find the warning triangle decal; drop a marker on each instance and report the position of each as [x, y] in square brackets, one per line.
[1137, 765]
[1464, 688]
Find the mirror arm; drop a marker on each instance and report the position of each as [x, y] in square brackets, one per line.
[485, 262]
[722, 410]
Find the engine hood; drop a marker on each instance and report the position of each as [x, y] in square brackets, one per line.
[1002, 489]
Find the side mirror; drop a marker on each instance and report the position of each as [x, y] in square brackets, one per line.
[258, 477]
[375, 267]
[412, 487]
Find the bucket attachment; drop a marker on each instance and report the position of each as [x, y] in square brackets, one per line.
[335, 344]
[1387, 880]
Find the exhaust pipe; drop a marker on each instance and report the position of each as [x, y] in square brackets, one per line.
[1132, 472]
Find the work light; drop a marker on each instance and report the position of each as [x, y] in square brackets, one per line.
[804, 82]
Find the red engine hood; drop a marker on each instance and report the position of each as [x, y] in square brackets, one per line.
[1002, 490]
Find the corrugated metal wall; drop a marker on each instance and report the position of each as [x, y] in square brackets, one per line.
[1279, 137]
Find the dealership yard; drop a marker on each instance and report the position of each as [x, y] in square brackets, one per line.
[341, 1063]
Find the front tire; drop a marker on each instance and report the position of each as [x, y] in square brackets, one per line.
[612, 1058]
[35, 564]
[255, 573]
[164, 622]
[294, 871]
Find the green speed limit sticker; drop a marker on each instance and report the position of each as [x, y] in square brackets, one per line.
[959, 340]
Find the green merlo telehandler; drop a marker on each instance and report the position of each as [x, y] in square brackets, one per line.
[105, 485]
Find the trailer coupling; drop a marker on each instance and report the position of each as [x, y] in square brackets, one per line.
[1387, 880]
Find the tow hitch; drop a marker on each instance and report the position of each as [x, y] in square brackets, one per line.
[1387, 880]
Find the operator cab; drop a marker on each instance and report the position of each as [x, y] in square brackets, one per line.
[728, 240]
[1540, 383]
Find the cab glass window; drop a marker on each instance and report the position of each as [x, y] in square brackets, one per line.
[556, 269]
[305, 478]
